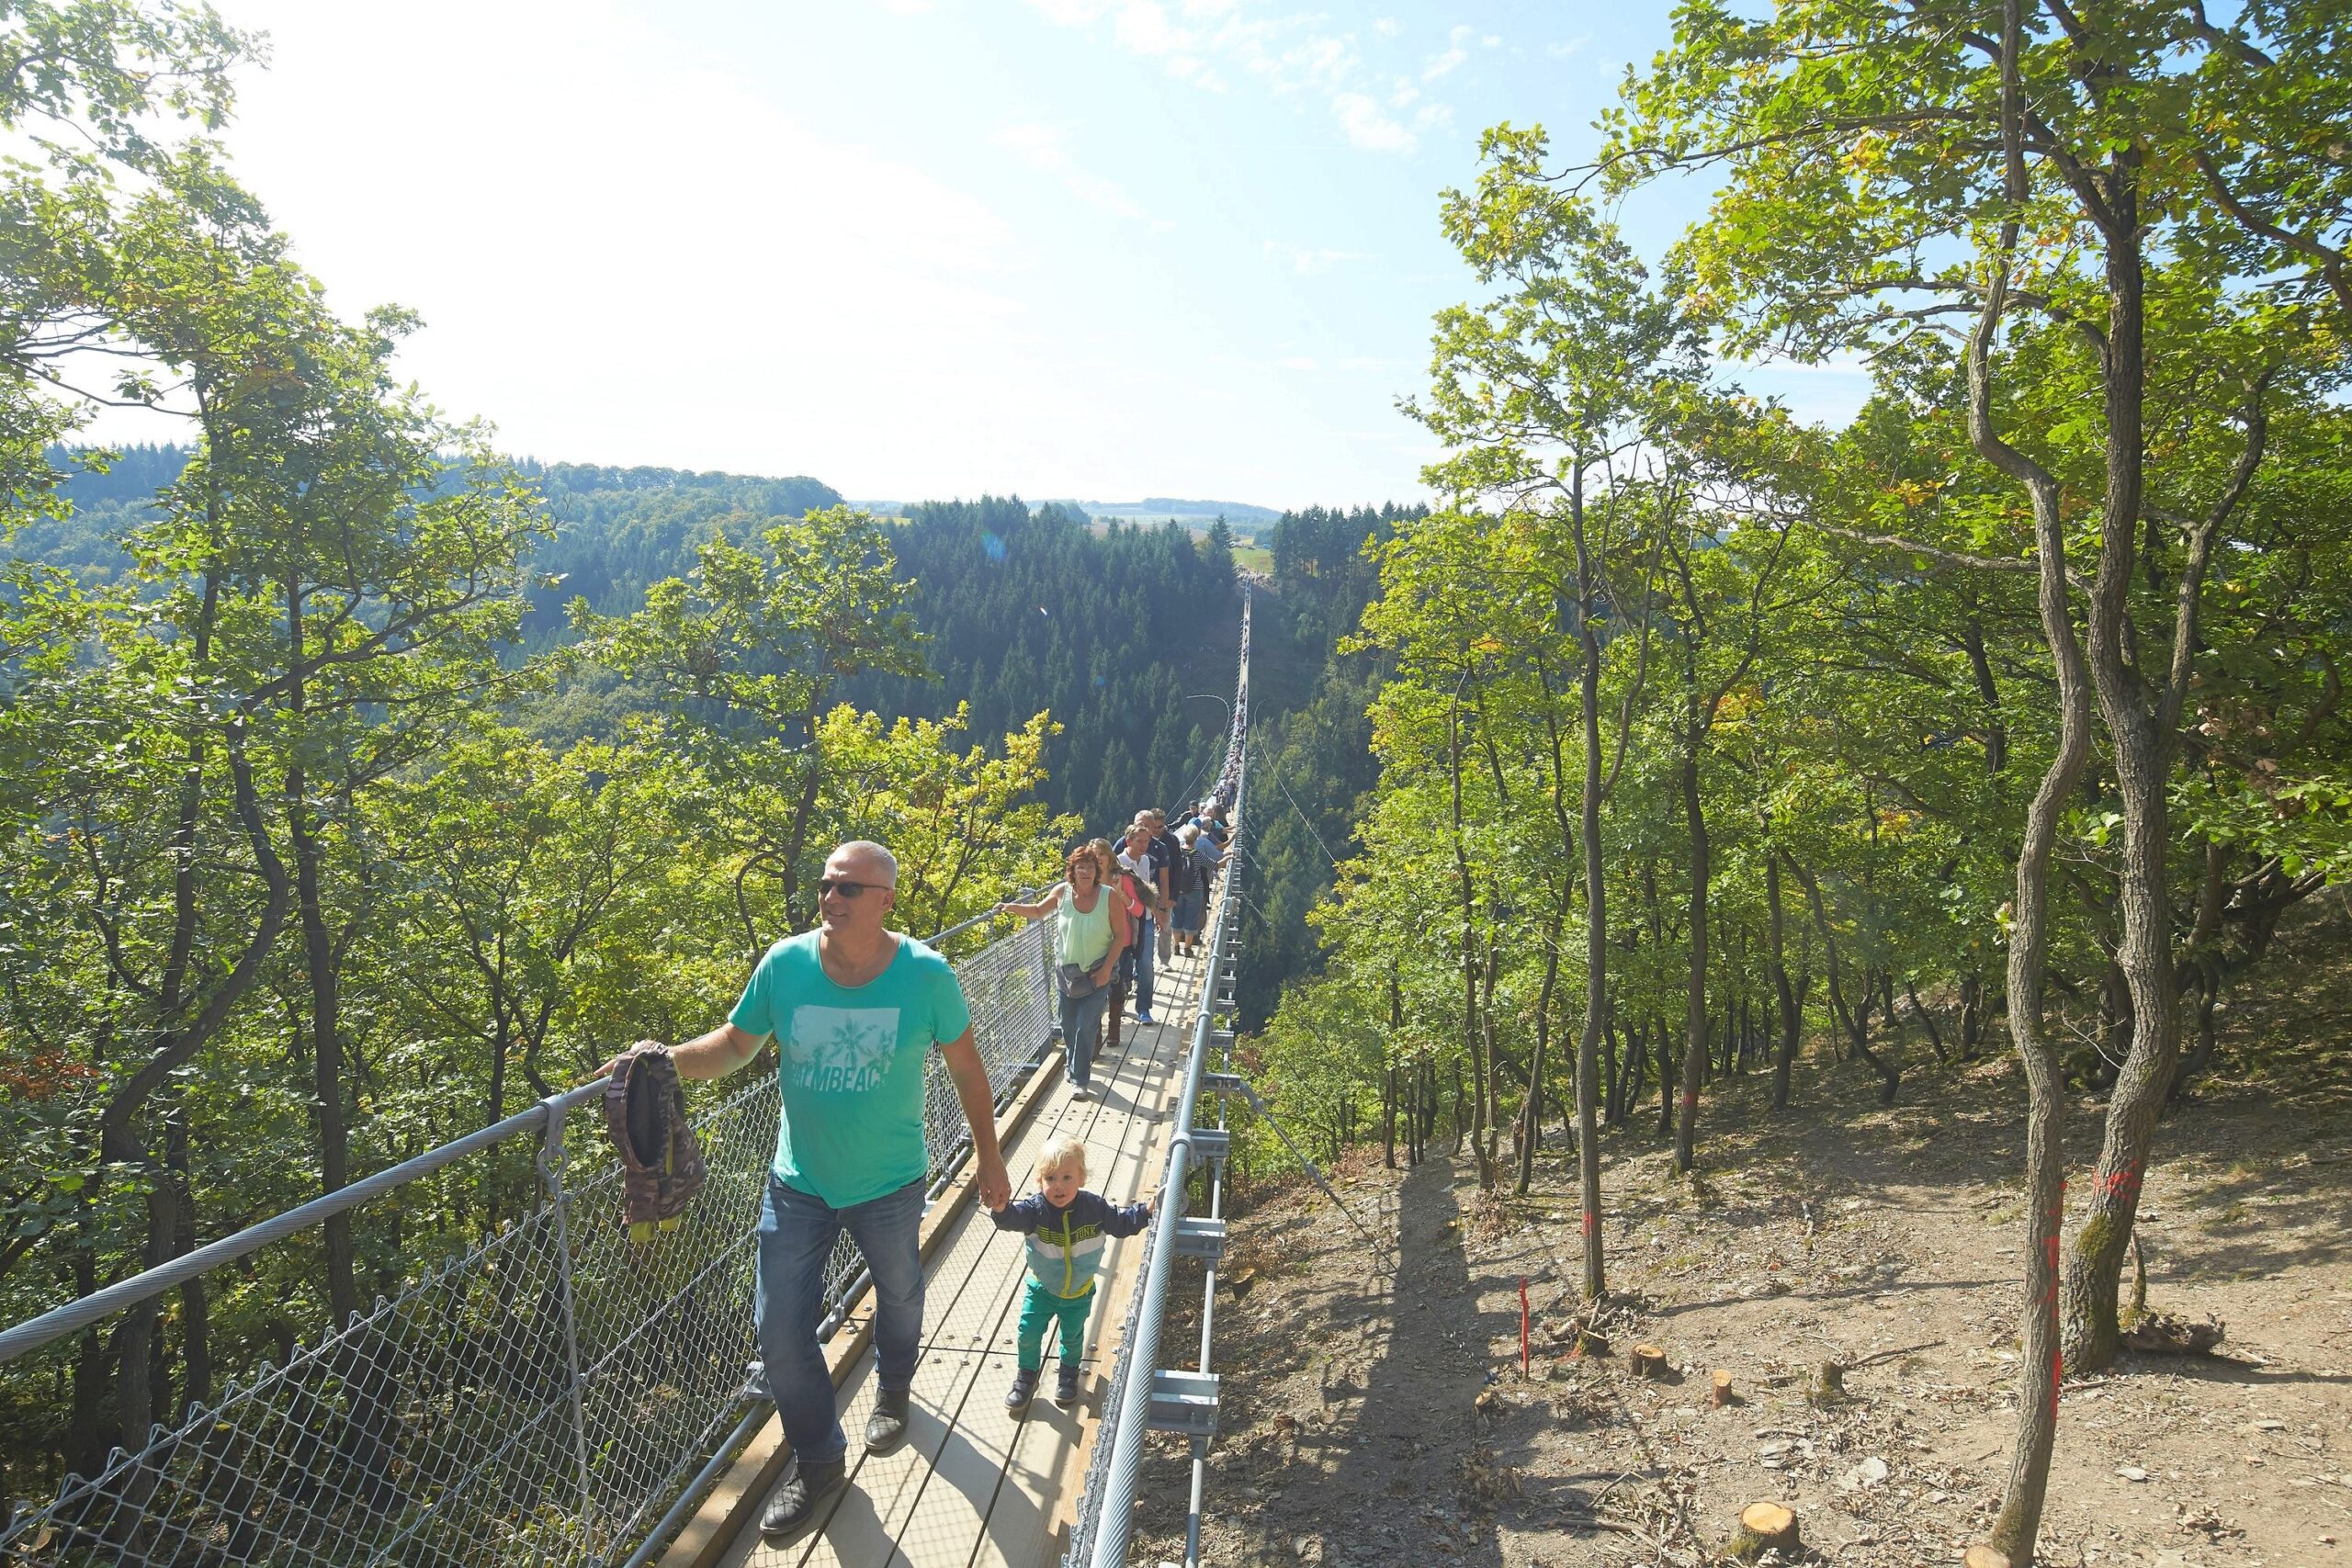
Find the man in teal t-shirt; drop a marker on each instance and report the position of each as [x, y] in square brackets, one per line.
[855, 1009]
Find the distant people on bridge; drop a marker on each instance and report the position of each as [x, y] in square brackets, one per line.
[1132, 891]
[856, 1009]
[1067, 1226]
[1089, 936]
[1191, 895]
[1148, 873]
[1170, 862]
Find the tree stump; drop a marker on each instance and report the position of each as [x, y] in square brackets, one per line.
[1719, 1389]
[1982, 1556]
[1649, 1361]
[1764, 1527]
[1828, 1385]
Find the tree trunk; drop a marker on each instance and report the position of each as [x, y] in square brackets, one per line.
[2018, 1523]
[1694, 1055]
[1612, 1081]
[1596, 916]
[1855, 1020]
[2143, 754]
[1469, 949]
[2207, 961]
[325, 1021]
[196, 1318]
[1530, 1115]
[1389, 1118]
[1665, 1077]
[1782, 996]
[1935, 1037]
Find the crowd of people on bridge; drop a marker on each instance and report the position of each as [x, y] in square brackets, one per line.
[1122, 911]
[855, 1009]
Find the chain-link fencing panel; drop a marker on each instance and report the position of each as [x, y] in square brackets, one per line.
[542, 1396]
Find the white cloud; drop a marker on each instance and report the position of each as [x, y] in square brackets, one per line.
[1294, 362]
[1323, 59]
[1307, 263]
[1492, 40]
[1070, 12]
[1144, 29]
[1567, 47]
[1368, 128]
[1043, 148]
[904, 7]
[1433, 117]
[1289, 53]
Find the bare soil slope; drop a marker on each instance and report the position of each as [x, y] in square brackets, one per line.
[1374, 1411]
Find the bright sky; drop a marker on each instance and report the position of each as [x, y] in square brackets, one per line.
[923, 248]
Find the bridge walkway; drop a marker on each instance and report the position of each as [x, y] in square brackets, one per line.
[976, 1486]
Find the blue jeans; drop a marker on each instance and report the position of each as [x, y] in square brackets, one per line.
[1135, 963]
[1081, 1027]
[796, 1234]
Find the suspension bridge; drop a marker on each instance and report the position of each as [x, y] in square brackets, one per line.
[558, 1393]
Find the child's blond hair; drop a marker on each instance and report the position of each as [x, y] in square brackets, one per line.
[1060, 1152]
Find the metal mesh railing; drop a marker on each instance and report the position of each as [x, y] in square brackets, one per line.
[1079, 1550]
[541, 1397]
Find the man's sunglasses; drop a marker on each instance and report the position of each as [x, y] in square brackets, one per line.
[829, 885]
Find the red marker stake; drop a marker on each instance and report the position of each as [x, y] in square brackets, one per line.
[1522, 1326]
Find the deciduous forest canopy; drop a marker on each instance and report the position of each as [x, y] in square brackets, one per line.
[359, 781]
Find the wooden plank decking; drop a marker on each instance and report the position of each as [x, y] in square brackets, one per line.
[974, 1485]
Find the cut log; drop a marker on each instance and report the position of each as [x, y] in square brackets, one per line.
[1764, 1527]
[1649, 1361]
[1828, 1385]
[1982, 1556]
[1719, 1389]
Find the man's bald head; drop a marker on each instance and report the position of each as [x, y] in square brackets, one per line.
[875, 861]
[873, 872]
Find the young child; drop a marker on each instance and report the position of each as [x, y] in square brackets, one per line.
[1066, 1226]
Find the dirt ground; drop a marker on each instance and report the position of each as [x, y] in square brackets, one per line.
[1373, 1411]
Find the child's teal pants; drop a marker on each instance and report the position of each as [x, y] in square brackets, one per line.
[1040, 1306]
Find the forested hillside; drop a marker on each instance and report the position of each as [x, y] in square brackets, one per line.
[1109, 628]
[1312, 746]
[1126, 638]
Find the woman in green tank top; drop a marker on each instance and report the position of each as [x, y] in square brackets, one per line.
[1087, 941]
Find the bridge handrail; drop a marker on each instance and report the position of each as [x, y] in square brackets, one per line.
[544, 1366]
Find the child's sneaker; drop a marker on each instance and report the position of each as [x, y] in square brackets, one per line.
[1024, 1389]
[1065, 1386]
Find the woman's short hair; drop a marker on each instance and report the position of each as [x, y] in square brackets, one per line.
[1085, 852]
[1062, 1153]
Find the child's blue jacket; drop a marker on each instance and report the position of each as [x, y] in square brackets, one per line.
[1065, 1245]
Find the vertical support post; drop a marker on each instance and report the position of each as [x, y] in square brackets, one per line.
[551, 1162]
